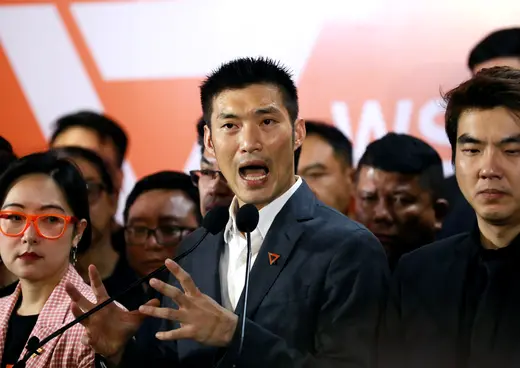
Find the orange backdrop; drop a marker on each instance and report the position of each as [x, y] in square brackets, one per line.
[369, 67]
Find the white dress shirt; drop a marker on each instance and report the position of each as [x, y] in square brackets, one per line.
[233, 259]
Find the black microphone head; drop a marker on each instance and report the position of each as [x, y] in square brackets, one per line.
[32, 344]
[20, 364]
[216, 219]
[247, 218]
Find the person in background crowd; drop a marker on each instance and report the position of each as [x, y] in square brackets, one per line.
[112, 266]
[8, 280]
[455, 302]
[161, 210]
[212, 185]
[44, 223]
[318, 279]
[7, 155]
[398, 189]
[103, 135]
[500, 48]
[326, 165]
[97, 132]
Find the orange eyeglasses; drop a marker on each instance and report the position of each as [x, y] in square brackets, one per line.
[48, 226]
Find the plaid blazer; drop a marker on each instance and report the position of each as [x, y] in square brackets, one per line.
[66, 350]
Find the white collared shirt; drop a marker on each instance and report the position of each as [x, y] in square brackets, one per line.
[233, 259]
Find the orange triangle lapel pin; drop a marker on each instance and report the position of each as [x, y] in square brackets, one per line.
[273, 257]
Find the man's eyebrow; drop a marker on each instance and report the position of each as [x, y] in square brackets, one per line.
[226, 115]
[466, 138]
[511, 139]
[267, 110]
[204, 160]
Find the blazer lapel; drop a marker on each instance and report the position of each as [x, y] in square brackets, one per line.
[207, 260]
[277, 247]
[52, 317]
[6, 309]
[450, 297]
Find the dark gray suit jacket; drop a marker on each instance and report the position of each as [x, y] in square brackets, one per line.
[318, 306]
[428, 321]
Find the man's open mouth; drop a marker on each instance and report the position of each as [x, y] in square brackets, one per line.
[254, 171]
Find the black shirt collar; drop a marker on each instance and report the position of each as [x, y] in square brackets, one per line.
[512, 251]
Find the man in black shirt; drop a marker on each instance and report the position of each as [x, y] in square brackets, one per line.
[499, 48]
[455, 303]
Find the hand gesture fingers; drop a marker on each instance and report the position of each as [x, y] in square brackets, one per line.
[99, 290]
[80, 304]
[200, 317]
[181, 299]
[184, 278]
[164, 313]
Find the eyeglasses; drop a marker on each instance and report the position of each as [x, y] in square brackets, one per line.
[49, 226]
[94, 191]
[164, 235]
[206, 175]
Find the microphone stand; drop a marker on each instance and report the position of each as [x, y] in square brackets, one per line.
[246, 293]
[247, 218]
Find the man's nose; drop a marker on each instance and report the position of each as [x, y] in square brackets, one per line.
[382, 212]
[490, 165]
[250, 138]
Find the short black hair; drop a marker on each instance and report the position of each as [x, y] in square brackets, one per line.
[7, 155]
[201, 123]
[167, 180]
[244, 72]
[72, 152]
[65, 174]
[501, 43]
[405, 154]
[341, 145]
[104, 126]
[490, 88]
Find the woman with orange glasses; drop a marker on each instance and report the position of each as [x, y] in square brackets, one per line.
[44, 222]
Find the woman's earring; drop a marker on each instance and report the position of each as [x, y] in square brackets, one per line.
[73, 253]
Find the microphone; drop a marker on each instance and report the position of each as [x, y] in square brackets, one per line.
[246, 220]
[214, 221]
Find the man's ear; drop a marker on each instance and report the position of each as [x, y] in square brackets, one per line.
[208, 143]
[440, 207]
[299, 133]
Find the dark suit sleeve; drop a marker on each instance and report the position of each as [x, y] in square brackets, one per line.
[354, 293]
[146, 351]
[391, 341]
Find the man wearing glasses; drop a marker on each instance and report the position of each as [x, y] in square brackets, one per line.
[160, 211]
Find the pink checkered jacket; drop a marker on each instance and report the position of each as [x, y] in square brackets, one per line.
[66, 350]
